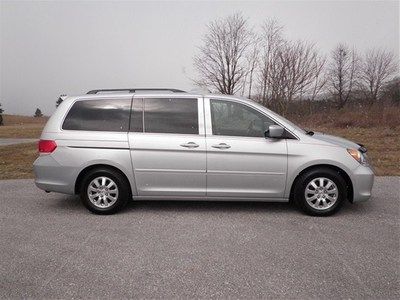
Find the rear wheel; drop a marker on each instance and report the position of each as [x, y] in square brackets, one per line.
[320, 192]
[105, 191]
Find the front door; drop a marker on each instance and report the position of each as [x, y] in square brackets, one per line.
[241, 162]
[167, 144]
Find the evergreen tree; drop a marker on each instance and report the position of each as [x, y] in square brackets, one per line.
[1, 116]
[38, 113]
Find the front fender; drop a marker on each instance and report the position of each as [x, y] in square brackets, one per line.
[302, 156]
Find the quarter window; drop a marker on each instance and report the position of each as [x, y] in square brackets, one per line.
[99, 115]
[171, 115]
[235, 119]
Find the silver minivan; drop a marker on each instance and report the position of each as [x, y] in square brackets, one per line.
[110, 146]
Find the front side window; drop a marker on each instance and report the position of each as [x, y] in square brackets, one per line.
[235, 119]
[99, 115]
[171, 115]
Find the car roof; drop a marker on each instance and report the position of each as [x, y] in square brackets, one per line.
[148, 92]
[152, 94]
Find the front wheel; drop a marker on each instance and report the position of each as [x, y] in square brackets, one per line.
[105, 191]
[320, 192]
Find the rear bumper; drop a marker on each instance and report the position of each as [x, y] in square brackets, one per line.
[363, 180]
[52, 177]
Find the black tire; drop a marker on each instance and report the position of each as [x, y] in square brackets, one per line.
[306, 178]
[124, 191]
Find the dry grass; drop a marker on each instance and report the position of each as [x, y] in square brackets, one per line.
[22, 126]
[16, 161]
[378, 128]
[350, 117]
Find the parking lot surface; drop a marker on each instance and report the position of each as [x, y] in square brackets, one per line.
[52, 247]
[7, 141]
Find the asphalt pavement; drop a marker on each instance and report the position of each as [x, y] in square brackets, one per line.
[11, 141]
[52, 247]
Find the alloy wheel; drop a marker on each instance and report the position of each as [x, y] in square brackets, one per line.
[102, 192]
[321, 193]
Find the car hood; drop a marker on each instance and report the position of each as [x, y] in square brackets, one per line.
[335, 140]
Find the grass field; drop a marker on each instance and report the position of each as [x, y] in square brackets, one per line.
[16, 161]
[380, 133]
[22, 126]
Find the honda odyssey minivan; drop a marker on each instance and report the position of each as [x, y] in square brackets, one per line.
[111, 146]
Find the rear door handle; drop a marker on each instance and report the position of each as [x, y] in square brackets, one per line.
[190, 145]
[221, 146]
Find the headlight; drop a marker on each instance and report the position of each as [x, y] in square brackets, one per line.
[358, 156]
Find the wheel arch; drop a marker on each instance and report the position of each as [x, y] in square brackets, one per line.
[86, 170]
[342, 173]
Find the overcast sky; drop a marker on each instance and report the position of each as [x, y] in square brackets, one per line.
[51, 48]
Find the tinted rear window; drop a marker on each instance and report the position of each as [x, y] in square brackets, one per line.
[99, 115]
[171, 115]
[137, 115]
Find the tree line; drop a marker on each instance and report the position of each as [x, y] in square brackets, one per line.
[268, 67]
[38, 113]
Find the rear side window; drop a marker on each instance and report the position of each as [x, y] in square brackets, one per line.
[99, 115]
[137, 115]
[171, 115]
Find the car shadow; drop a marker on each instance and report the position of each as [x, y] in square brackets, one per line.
[66, 202]
[211, 206]
[73, 203]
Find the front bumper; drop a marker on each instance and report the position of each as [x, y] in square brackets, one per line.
[363, 180]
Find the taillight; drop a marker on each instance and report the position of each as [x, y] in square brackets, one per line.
[47, 146]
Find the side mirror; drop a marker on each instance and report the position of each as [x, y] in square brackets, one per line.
[274, 131]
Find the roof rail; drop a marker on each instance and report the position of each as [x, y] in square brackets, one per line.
[134, 90]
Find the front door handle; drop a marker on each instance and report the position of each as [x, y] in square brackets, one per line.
[221, 146]
[190, 145]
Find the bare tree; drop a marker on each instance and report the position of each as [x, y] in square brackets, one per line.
[377, 69]
[319, 80]
[343, 73]
[252, 57]
[271, 41]
[391, 91]
[221, 63]
[301, 72]
[289, 70]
